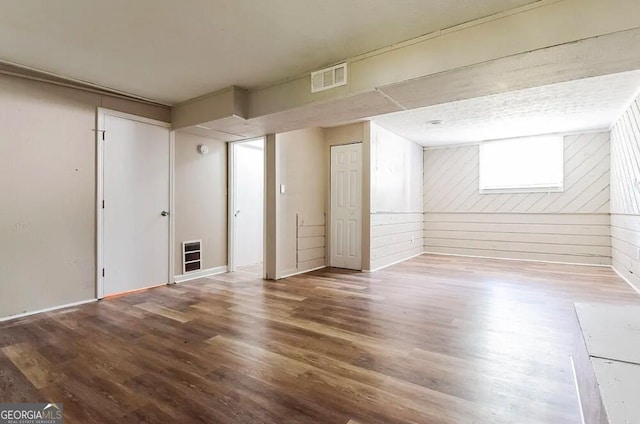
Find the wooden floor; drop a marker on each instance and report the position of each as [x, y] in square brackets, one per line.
[433, 340]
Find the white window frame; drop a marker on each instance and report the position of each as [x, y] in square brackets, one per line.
[520, 188]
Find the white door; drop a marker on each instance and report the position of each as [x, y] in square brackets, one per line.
[249, 202]
[136, 205]
[346, 206]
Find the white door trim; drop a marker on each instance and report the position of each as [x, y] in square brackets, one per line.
[231, 201]
[172, 204]
[231, 207]
[101, 113]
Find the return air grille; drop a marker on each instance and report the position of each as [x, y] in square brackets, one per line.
[191, 256]
[325, 79]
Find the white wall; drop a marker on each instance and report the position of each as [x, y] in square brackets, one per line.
[348, 134]
[625, 194]
[48, 186]
[572, 226]
[201, 199]
[300, 211]
[396, 198]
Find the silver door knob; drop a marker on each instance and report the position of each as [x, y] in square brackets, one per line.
[164, 213]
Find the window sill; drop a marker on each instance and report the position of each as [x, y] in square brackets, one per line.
[521, 190]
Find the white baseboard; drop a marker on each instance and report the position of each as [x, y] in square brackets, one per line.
[393, 263]
[517, 260]
[621, 275]
[53, 308]
[201, 274]
[293, 274]
[287, 273]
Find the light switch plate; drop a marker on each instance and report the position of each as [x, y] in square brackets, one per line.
[281, 188]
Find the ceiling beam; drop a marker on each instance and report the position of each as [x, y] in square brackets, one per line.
[228, 102]
[554, 42]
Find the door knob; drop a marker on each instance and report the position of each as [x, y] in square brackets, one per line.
[236, 214]
[164, 213]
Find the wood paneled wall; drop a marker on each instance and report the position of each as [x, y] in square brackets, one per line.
[397, 178]
[625, 194]
[574, 238]
[572, 226]
[311, 245]
[395, 237]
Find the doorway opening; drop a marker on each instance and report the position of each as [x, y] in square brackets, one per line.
[246, 207]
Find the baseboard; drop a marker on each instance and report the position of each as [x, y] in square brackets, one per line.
[53, 308]
[293, 274]
[201, 274]
[625, 279]
[393, 263]
[517, 260]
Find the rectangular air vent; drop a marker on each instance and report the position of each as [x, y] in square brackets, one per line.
[325, 79]
[191, 256]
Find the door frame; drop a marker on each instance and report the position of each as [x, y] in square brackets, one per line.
[329, 220]
[231, 200]
[101, 114]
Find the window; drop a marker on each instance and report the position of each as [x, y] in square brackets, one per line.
[522, 165]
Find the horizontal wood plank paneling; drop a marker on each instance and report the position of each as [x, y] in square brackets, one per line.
[451, 181]
[625, 194]
[557, 249]
[549, 237]
[515, 218]
[310, 231]
[311, 243]
[305, 243]
[574, 239]
[528, 256]
[395, 237]
[516, 228]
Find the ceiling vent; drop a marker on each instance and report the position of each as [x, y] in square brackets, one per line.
[325, 79]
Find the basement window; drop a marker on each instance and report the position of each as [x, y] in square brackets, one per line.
[521, 165]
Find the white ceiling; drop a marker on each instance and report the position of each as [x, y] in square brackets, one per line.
[171, 51]
[591, 103]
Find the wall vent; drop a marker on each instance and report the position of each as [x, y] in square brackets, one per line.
[327, 78]
[191, 256]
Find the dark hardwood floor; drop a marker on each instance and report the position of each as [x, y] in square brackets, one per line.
[435, 339]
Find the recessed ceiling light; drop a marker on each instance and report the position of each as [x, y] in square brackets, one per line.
[435, 122]
[203, 127]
